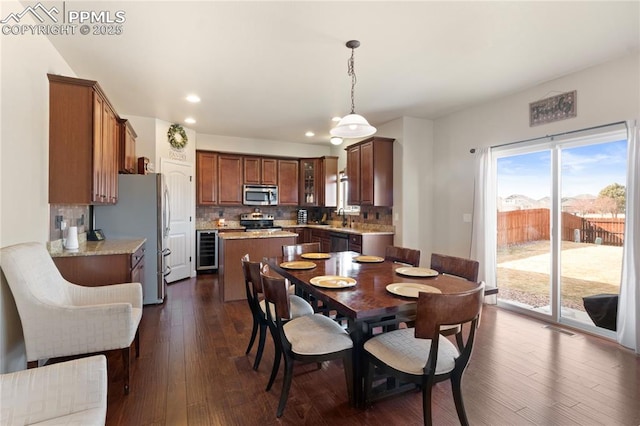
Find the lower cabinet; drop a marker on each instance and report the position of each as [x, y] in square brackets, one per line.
[321, 236]
[101, 270]
[372, 244]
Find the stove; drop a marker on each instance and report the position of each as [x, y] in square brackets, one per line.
[258, 221]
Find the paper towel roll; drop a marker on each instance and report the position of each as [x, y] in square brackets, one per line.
[72, 238]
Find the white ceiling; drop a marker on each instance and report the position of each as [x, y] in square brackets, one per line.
[273, 70]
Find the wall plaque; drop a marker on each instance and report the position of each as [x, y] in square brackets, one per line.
[555, 108]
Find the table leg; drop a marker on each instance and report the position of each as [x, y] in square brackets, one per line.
[357, 333]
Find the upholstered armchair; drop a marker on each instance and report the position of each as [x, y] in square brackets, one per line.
[67, 393]
[60, 318]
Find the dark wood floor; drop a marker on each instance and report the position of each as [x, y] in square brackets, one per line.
[192, 370]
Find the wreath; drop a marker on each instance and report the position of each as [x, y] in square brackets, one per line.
[177, 136]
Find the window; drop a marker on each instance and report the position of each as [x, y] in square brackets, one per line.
[343, 190]
[560, 223]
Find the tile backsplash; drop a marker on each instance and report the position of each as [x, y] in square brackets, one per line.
[369, 217]
[72, 215]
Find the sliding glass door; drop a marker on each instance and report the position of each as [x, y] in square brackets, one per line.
[560, 227]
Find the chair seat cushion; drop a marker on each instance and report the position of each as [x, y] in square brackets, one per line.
[299, 307]
[401, 350]
[316, 335]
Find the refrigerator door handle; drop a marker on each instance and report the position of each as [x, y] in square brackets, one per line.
[166, 252]
[166, 274]
[167, 207]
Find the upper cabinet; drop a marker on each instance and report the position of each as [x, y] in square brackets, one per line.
[319, 182]
[306, 182]
[207, 177]
[127, 161]
[83, 143]
[258, 170]
[370, 172]
[230, 179]
[288, 182]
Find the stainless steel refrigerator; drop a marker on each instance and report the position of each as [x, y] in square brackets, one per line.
[142, 211]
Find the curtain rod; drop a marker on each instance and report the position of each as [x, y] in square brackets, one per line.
[473, 150]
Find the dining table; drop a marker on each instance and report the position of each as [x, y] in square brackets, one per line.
[364, 290]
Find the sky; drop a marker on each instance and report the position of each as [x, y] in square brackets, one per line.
[584, 170]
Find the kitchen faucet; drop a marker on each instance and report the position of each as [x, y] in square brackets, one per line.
[344, 217]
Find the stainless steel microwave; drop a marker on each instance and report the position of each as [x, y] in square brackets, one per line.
[260, 195]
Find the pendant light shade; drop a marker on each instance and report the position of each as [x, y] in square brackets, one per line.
[353, 125]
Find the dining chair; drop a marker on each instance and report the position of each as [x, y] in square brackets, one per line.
[307, 339]
[61, 319]
[460, 267]
[253, 287]
[290, 250]
[402, 255]
[421, 355]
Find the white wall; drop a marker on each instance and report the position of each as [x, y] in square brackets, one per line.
[24, 161]
[145, 128]
[261, 146]
[606, 93]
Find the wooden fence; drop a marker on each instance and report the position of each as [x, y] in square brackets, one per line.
[520, 226]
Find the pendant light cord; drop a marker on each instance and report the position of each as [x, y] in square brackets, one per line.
[352, 73]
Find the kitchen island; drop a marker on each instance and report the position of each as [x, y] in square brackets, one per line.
[234, 245]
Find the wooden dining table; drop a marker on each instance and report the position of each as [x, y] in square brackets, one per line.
[368, 302]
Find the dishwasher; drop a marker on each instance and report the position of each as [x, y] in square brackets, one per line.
[206, 250]
[339, 241]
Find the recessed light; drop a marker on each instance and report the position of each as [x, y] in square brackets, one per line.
[193, 98]
[335, 140]
[336, 119]
[189, 120]
[309, 134]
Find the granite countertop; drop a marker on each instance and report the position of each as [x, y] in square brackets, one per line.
[99, 248]
[255, 234]
[345, 230]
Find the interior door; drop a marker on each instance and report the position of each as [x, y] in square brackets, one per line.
[181, 204]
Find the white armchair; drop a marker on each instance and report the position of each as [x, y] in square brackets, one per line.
[60, 318]
[67, 393]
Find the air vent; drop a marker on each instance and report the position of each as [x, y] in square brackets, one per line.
[559, 330]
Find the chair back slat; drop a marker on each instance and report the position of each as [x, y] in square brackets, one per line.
[435, 309]
[251, 271]
[458, 266]
[275, 292]
[403, 255]
[291, 250]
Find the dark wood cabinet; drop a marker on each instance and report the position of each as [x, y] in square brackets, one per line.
[370, 172]
[269, 171]
[258, 170]
[304, 235]
[207, 177]
[353, 175]
[230, 178]
[288, 182]
[127, 160]
[319, 182]
[99, 270]
[321, 236]
[83, 143]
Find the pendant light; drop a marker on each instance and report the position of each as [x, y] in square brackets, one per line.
[353, 125]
